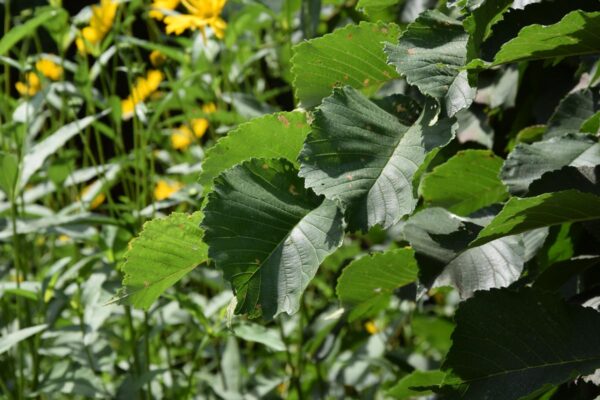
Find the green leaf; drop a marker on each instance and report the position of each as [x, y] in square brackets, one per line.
[352, 55]
[364, 158]
[528, 162]
[9, 165]
[259, 334]
[572, 112]
[441, 241]
[575, 34]
[369, 282]
[384, 10]
[13, 338]
[404, 388]
[465, 183]
[430, 54]
[168, 51]
[165, 251]
[479, 24]
[269, 234]
[279, 135]
[19, 32]
[37, 154]
[556, 275]
[507, 344]
[585, 179]
[520, 215]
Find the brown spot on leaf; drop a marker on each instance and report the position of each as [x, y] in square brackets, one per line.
[411, 51]
[366, 82]
[283, 120]
[292, 190]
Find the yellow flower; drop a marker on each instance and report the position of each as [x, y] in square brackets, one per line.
[49, 69]
[31, 86]
[32, 83]
[97, 201]
[157, 58]
[159, 6]
[164, 189]
[209, 108]
[181, 138]
[371, 327]
[103, 16]
[201, 13]
[142, 89]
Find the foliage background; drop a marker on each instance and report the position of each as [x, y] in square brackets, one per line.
[81, 176]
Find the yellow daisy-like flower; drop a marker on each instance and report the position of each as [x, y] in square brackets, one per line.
[159, 6]
[164, 189]
[103, 16]
[142, 89]
[32, 83]
[201, 13]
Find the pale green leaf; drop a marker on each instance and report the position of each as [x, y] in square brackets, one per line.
[575, 34]
[279, 135]
[13, 338]
[363, 157]
[465, 183]
[269, 234]
[34, 158]
[164, 252]
[520, 215]
[352, 55]
[508, 343]
[370, 281]
[431, 54]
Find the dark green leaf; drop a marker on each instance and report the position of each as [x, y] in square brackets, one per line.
[269, 234]
[584, 179]
[508, 344]
[9, 40]
[520, 215]
[479, 24]
[575, 34]
[571, 114]
[441, 241]
[430, 54]
[352, 55]
[364, 158]
[370, 281]
[465, 183]
[528, 162]
[556, 275]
